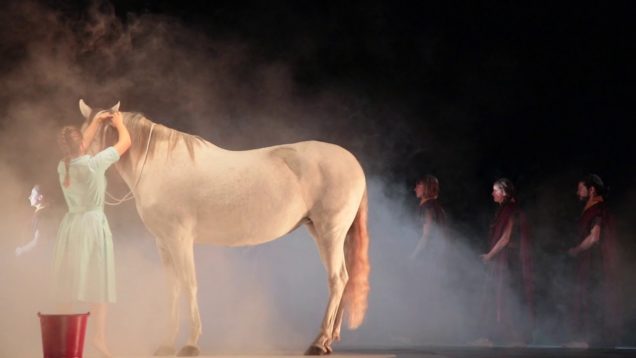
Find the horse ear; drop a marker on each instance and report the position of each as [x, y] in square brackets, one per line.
[85, 109]
[115, 108]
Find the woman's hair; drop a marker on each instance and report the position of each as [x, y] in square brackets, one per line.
[431, 186]
[595, 181]
[70, 142]
[507, 187]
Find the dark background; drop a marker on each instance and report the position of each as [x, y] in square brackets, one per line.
[541, 93]
[515, 89]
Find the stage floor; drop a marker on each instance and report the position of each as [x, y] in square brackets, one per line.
[496, 352]
[448, 352]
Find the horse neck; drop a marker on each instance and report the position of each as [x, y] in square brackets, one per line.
[146, 148]
[129, 166]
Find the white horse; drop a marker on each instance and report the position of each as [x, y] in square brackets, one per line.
[188, 191]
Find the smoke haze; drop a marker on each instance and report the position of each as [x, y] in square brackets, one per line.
[271, 297]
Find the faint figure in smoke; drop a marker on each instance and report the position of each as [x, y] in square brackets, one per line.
[84, 264]
[435, 269]
[596, 311]
[508, 307]
[38, 201]
[432, 216]
[33, 255]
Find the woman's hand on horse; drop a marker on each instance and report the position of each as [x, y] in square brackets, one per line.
[104, 116]
[116, 119]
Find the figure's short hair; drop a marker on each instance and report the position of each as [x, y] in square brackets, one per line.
[41, 191]
[507, 186]
[595, 181]
[431, 186]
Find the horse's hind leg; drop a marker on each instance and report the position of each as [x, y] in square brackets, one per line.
[330, 246]
[335, 335]
[178, 259]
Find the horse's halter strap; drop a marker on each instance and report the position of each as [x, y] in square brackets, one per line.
[130, 194]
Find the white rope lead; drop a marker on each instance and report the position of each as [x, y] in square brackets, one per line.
[130, 194]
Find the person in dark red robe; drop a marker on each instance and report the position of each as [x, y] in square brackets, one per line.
[432, 216]
[596, 306]
[508, 306]
[435, 264]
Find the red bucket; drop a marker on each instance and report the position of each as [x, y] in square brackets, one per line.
[63, 334]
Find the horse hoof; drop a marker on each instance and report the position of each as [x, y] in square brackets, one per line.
[316, 351]
[164, 351]
[188, 351]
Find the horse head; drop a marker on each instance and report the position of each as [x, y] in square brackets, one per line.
[105, 135]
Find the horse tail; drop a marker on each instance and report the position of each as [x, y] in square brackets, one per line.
[356, 292]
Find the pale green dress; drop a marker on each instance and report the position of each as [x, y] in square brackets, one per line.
[84, 264]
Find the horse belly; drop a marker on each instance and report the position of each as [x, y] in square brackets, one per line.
[247, 227]
[250, 215]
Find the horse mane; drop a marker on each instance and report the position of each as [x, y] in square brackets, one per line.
[139, 128]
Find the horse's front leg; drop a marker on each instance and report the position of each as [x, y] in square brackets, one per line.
[189, 284]
[174, 285]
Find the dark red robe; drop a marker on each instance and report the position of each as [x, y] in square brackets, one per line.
[433, 207]
[437, 244]
[511, 277]
[596, 317]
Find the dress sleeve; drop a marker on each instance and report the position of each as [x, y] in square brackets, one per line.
[104, 159]
[61, 169]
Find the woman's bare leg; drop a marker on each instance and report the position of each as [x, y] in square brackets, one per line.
[99, 313]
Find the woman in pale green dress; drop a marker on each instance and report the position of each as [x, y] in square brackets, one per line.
[84, 264]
